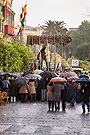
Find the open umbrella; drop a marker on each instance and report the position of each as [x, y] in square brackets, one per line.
[83, 75]
[58, 79]
[68, 74]
[2, 72]
[48, 74]
[28, 72]
[37, 71]
[12, 75]
[22, 80]
[17, 73]
[31, 76]
[72, 78]
[82, 80]
[37, 76]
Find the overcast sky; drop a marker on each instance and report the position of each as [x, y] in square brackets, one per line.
[39, 11]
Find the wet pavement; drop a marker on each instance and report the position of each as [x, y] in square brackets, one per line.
[34, 119]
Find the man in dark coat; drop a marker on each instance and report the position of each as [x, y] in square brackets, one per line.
[43, 87]
[72, 92]
[85, 96]
[64, 94]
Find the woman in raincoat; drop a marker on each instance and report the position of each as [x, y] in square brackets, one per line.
[32, 90]
[49, 94]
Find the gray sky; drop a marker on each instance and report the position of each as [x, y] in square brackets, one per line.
[39, 11]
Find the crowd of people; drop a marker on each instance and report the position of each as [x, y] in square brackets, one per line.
[45, 90]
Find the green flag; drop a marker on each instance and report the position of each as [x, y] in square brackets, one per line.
[23, 21]
[3, 10]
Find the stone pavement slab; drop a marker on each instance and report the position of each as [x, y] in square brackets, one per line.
[34, 119]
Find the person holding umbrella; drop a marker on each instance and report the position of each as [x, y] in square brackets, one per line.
[56, 95]
[85, 93]
[49, 94]
[64, 90]
[72, 92]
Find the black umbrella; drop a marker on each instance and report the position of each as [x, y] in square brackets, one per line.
[84, 76]
[82, 80]
[31, 76]
[28, 72]
[48, 74]
[12, 75]
[2, 72]
[22, 80]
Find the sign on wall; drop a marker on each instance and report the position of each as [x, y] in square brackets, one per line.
[74, 62]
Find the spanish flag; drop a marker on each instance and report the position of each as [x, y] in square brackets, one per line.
[25, 10]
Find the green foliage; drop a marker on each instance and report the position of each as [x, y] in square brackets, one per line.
[14, 57]
[80, 45]
[54, 28]
[84, 64]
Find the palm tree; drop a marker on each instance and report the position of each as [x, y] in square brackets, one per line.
[54, 28]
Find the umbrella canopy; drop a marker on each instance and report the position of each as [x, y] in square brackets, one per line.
[37, 71]
[82, 80]
[56, 75]
[28, 72]
[12, 75]
[68, 74]
[17, 73]
[83, 76]
[58, 79]
[22, 80]
[48, 74]
[72, 78]
[2, 72]
[31, 76]
[37, 76]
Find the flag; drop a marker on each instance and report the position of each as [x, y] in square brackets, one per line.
[20, 20]
[23, 18]
[25, 10]
[1, 16]
[4, 9]
[23, 22]
[21, 29]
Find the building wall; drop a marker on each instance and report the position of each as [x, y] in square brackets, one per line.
[10, 16]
